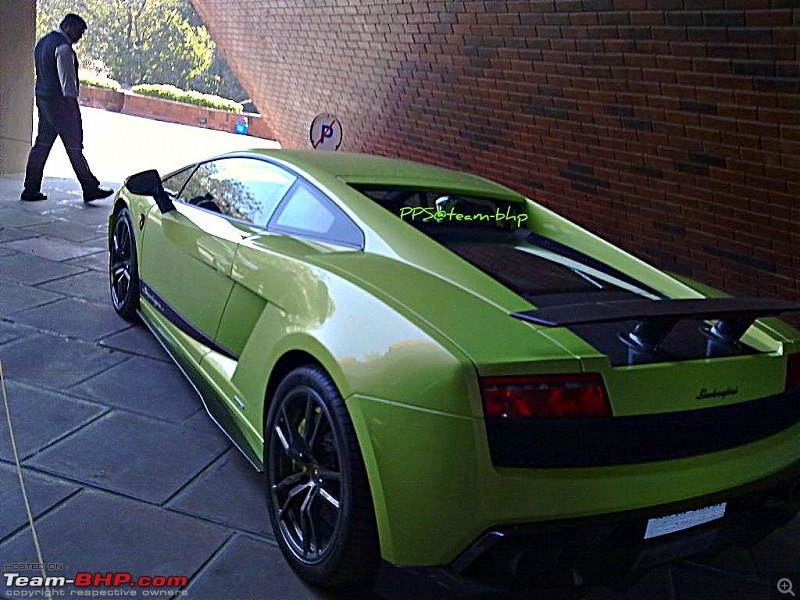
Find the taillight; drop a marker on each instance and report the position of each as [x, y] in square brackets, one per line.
[567, 395]
[793, 370]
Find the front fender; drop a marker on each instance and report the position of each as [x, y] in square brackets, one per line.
[138, 207]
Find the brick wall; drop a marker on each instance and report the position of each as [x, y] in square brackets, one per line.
[671, 127]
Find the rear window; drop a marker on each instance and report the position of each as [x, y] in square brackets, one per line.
[540, 276]
[424, 208]
[491, 234]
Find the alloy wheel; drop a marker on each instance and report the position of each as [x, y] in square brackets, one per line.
[121, 262]
[305, 475]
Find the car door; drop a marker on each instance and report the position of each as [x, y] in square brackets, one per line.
[271, 265]
[188, 253]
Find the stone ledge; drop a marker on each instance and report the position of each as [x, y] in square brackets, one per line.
[97, 97]
[173, 112]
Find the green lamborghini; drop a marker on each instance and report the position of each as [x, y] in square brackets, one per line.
[441, 378]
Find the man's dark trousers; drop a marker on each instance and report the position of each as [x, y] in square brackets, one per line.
[59, 116]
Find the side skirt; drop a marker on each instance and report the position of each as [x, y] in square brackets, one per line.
[212, 402]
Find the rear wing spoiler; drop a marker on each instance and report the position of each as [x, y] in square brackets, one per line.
[656, 318]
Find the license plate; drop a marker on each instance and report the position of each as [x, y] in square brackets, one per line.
[692, 518]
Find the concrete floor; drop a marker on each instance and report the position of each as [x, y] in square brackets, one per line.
[124, 470]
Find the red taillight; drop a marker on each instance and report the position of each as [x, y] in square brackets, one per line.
[567, 395]
[793, 370]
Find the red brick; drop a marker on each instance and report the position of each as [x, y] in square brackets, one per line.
[414, 78]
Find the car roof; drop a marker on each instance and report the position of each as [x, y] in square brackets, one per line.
[369, 170]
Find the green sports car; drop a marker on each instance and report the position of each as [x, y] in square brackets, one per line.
[441, 378]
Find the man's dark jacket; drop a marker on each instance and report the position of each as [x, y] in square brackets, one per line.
[44, 55]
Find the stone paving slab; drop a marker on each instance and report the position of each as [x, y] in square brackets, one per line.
[75, 318]
[95, 262]
[29, 269]
[16, 216]
[87, 286]
[51, 248]
[201, 421]
[138, 340]
[55, 362]
[70, 230]
[43, 493]
[274, 579]
[15, 297]
[40, 418]
[145, 386]
[209, 495]
[99, 532]
[93, 215]
[8, 234]
[8, 332]
[132, 455]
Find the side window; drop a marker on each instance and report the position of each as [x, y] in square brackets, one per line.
[307, 212]
[174, 182]
[243, 188]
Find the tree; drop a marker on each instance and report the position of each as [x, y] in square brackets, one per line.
[144, 41]
[219, 79]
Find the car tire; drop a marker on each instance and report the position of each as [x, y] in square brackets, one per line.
[123, 266]
[318, 497]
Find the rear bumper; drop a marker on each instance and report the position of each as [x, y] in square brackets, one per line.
[436, 491]
[511, 561]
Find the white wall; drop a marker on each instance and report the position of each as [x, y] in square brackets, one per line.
[17, 38]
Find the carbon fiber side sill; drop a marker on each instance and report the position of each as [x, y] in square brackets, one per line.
[214, 405]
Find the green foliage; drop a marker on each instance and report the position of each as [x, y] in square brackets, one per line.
[220, 80]
[101, 81]
[146, 41]
[170, 92]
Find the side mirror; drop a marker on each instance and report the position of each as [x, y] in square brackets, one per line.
[148, 183]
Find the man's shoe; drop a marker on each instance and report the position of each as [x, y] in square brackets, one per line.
[96, 194]
[28, 197]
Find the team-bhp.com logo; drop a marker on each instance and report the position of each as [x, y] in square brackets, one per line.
[94, 585]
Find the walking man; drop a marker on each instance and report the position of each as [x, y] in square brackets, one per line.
[59, 113]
